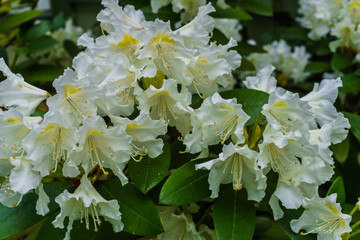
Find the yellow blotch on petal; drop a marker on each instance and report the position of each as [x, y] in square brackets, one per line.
[164, 38]
[70, 90]
[127, 41]
[280, 104]
[12, 120]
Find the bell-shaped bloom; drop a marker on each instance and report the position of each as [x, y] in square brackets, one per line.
[236, 165]
[263, 81]
[50, 142]
[324, 217]
[216, 121]
[100, 146]
[15, 92]
[286, 112]
[212, 67]
[14, 127]
[144, 132]
[168, 104]
[87, 205]
[74, 98]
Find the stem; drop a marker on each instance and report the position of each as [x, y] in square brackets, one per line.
[355, 225]
[354, 210]
[355, 233]
[14, 62]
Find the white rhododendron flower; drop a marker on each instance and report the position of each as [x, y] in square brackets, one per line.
[87, 205]
[216, 121]
[144, 132]
[49, 143]
[285, 111]
[15, 92]
[168, 104]
[263, 81]
[324, 217]
[100, 146]
[229, 27]
[14, 128]
[236, 165]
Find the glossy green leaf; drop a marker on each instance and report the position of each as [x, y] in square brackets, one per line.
[284, 222]
[36, 31]
[139, 214]
[245, 48]
[351, 83]
[257, 7]
[42, 44]
[186, 185]
[147, 173]
[342, 61]
[58, 20]
[246, 65]
[234, 215]
[18, 219]
[338, 188]
[252, 101]
[41, 73]
[235, 13]
[71, 48]
[355, 123]
[341, 150]
[317, 67]
[15, 20]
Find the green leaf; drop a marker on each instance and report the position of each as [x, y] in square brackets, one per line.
[164, 14]
[15, 20]
[186, 185]
[235, 13]
[71, 48]
[317, 67]
[58, 20]
[3, 54]
[36, 31]
[257, 7]
[355, 124]
[285, 225]
[41, 73]
[341, 150]
[234, 215]
[245, 48]
[351, 83]
[147, 173]
[338, 188]
[252, 101]
[139, 214]
[18, 219]
[42, 44]
[246, 65]
[341, 61]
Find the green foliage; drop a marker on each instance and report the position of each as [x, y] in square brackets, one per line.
[351, 83]
[317, 67]
[234, 13]
[185, 185]
[355, 124]
[139, 214]
[15, 20]
[338, 188]
[147, 173]
[234, 215]
[251, 100]
[13, 220]
[341, 150]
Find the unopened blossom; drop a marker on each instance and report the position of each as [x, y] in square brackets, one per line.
[236, 165]
[324, 217]
[15, 92]
[86, 205]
